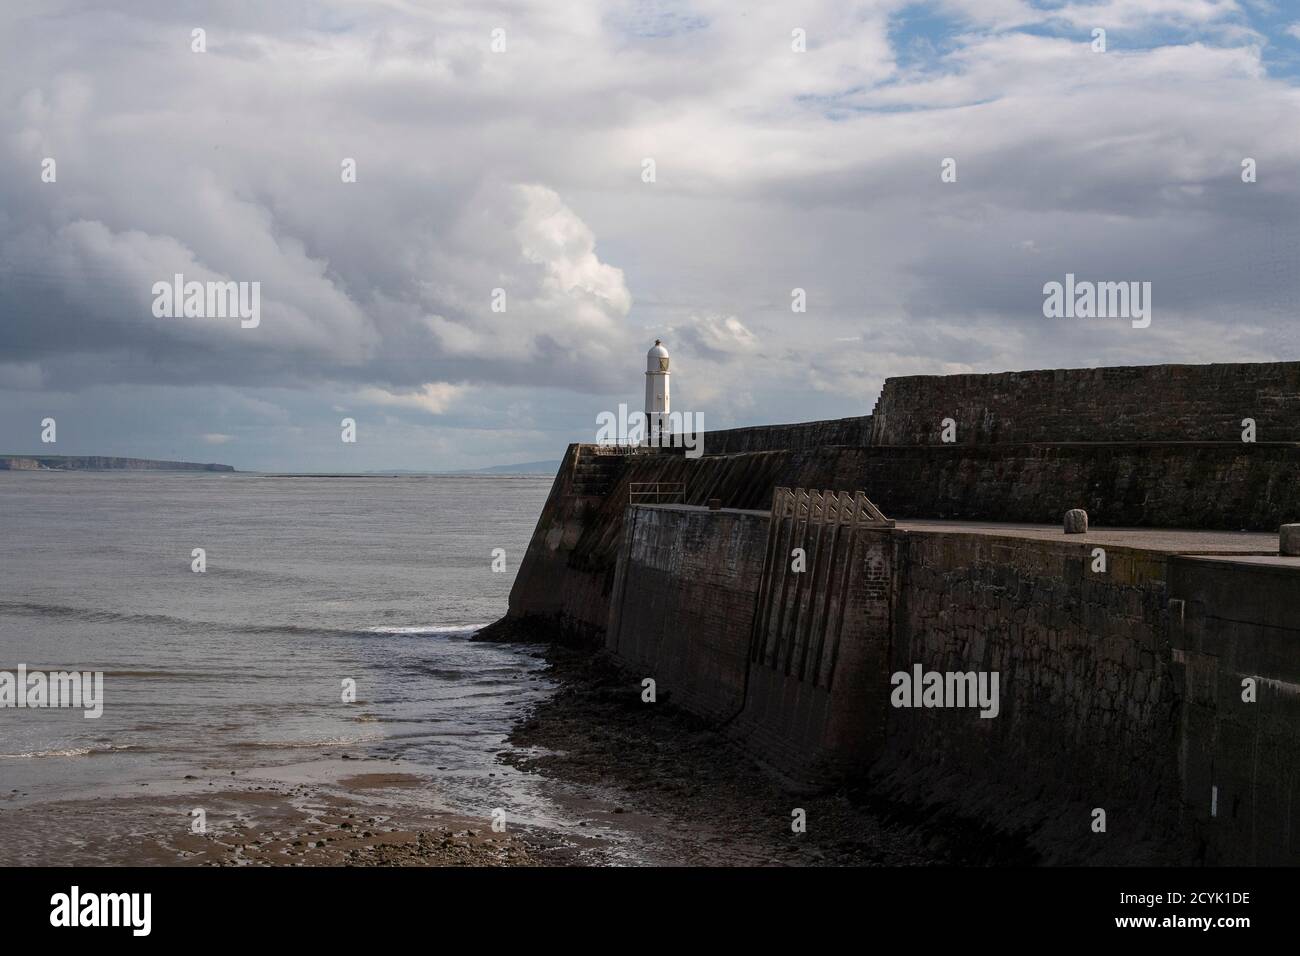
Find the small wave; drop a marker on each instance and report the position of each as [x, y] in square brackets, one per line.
[96, 616]
[114, 748]
[442, 673]
[69, 752]
[428, 630]
[170, 675]
[295, 744]
[91, 615]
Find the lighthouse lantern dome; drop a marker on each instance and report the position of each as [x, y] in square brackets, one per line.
[656, 359]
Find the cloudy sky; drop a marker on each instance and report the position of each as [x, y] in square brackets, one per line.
[480, 169]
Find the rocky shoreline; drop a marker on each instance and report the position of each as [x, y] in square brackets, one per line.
[702, 801]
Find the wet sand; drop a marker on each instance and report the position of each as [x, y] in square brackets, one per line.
[631, 783]
[375, 817]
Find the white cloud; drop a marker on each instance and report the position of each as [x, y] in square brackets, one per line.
[435, 398]
[718, 336]
[521, 171]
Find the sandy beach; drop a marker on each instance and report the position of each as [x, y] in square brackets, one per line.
[357, 814]
[639, 787]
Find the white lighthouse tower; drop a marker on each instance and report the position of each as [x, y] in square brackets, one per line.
[656, 393]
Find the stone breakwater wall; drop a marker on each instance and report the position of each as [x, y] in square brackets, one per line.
[1234, 633]
[566, 579]
[767, 651]
[1120, 691]
[1229, 486]
[796, 437]
[1114, 693]
[689, 570]
[567, 575]
[1087, 708]
[1122, 404]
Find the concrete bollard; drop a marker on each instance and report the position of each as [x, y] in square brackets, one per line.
[1076, 521]
[1288, 539]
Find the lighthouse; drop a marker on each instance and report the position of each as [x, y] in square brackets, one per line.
[656, 393]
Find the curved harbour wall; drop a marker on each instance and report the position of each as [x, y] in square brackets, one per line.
[1121, 689]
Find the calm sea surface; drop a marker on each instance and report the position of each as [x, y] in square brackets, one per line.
[309, 581]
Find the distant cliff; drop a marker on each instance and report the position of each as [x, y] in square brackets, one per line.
[100, 463]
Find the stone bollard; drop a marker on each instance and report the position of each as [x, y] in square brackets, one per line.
[715, 504]
[1288, 539]
[1076, 521]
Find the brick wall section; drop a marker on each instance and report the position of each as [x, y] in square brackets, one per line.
[1232, 620]
[802, 435]
[685, 596]
[568, 571]
[1216, 482]
[1228, 486]
[567, 575]
[1220, 486]
[1130, 403]
[1119, 690]
[827, 722]
[685, 590]
[1087, 702]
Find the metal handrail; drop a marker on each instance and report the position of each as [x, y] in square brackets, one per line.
[656, 492]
